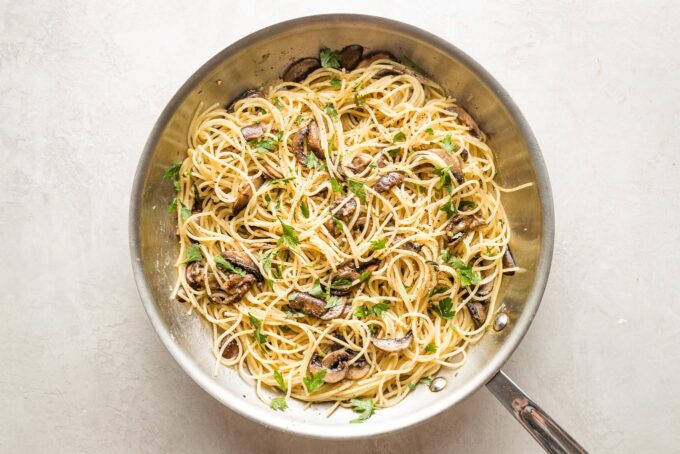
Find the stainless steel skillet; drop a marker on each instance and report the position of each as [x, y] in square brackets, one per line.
[258, 60]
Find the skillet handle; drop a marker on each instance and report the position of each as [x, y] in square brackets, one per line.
[537, 422]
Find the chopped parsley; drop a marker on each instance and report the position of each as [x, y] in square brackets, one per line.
[399, 137]
[378, 244]
[430, 131]
[264, 145]
[363, 277]
[304, 209]
[289, 236]
[298, 120]
[279, 380]
[175, 184]
[437, 291]
[314, 163]
[449, 209]
[378, 310]
[330, 110]
[333, 301]
[265, 260]
[257, 323]
[335, 82]
[336, 186]
[357, 187]
[449, 146]
[193, 254]
[317, 290]
[465, 204]
[427, 380]
[282, 180]
[277, 103]
[393, 152]
[186, 213]
[315, 381]
[330, 58]
[445, 309]
[341, 283]
[173, 171]
[465, 273]
[225, 265]
[364, 407]
[444, 174]
[278, 403]
[432, 348]
[359, 100]
[172, 206]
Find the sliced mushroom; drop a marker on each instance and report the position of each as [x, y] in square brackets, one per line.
[243, 261]
[374, 56]
[409, 245]
[342, 210]
[249, 93]
[233, 288]
[359, 369]
[360, 223]
[246, 194]
[477, 311]
[467, 120]
[392, 345]
[387, 182]
[298, 145]
[314, 139]
[315, 364]
[307, 304]
[350, 272]
[508, 262]
[350, 56]
[453, 163]
[360, 162]
[459, 225]
[388, 72]
[335, 364]
[335, 311]
[231, 350]
[251, 132]
[300, 69]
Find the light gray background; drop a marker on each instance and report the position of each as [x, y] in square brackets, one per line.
[81, 84]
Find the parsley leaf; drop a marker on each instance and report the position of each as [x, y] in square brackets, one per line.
[277, 103]
[330, 58]
[341, 283]
[261, 338]
[444, 309]
[222, 263]
[172, 171]
[399, 137]
[289, 236]
[444, 174]
[186, 213]
[315, 381]
[363, 277]
[337, 223]
[304, 209]
[264, 145]
[465, 273]
[432, 348]
[378, 309]
[193, 254]
[430, 131]
[282, 180]
[464, 204]
[437, 291]
[298, 120]
[393, 152]
[427, 380]
[357, 187]
[265, 260]
[314, 163]
[279, 380]
[336, 186]
[330, 110]
[333, 301]
[364, 407]
[335, 82]
[172, 206]
[175, 184]
[377, 245]
[362, 311]
[449, 209]
[359, 100]
[448, 145]
[278, 403]
[316, 290]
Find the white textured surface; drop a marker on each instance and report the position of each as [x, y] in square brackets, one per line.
[81, 84]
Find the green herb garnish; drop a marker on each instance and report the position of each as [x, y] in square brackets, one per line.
[172, 206]
[278, 403]
[225, 265]
[282, 180]
[449, 209]
[449, 146]
[364, 407]
[335, 82]
[330, 58]
[432, 348]
[330, 110]
[465, 273]
[315, 381]
[357, 187]
[317, 291]
[289, 236]
[336, 186]
[259, 337]
[172, 171]
[193, 254]
[378, 244]
[444, 174]
[444, 309]
[333, 301]
[399, 137]
[430, 131]
[279, 380]
[304, 209]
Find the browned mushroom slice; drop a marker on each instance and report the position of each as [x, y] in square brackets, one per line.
[195, 273]
[233, 288]
[477, 311]
[243, 261]
[231, 350]
[360, 162]
[315, 364]
[374, 56]
[314, 139]
[359, 369]
[485, 288]
[335, 311]
[392, 345]
[251, 132]
[298, 145]
[460, 224]
[509, 262]
[307, 304]
[348, 271]
[249, 93]
[388, 72]
[409, 245]
[299, 69]
[342, 210]
[360, 223]
[467, 120]
[350, 56]
[387, 182]
[246, 194]
[335, 364]
[453, 163]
